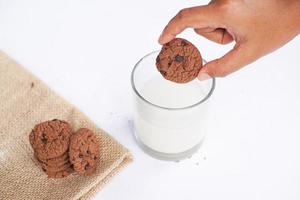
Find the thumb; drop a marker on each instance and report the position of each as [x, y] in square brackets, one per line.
[235, 59]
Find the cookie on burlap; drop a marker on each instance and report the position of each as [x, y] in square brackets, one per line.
[50, 139]
[57, 168]
[179, 61]
[55, 161]
[60, 174]
[84, 151]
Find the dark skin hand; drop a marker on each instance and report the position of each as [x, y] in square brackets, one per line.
[257, 27]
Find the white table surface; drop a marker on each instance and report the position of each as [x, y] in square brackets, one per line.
[85, 51]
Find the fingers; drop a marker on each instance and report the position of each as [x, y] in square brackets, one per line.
[195, 17]
[235, 59]
[218, 35]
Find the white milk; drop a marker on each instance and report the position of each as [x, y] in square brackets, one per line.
[165, 130]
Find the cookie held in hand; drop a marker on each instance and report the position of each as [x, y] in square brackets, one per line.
[179, 61]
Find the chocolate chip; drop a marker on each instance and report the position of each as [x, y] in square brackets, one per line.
[87, 166]
[157, 59]
[44, 139]
[32, 84]
[183, 43]
[88, 152]
[80, 156]
[54, 120]
[179, 58]
[164, 73]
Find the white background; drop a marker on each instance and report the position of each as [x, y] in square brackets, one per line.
[85, 51]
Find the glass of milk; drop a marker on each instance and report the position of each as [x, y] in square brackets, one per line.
[169, 118]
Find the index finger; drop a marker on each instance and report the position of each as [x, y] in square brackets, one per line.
[195, 17]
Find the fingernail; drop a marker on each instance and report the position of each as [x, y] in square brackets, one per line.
[203, 76]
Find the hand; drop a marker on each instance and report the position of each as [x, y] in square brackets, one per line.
[257, 27]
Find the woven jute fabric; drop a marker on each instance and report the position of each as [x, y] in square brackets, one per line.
[24, 102]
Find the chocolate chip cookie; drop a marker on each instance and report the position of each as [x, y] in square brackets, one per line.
[60, 174]
[55, 161]
[58, 168]
[84, 151]
[50, 139]
[179, 61]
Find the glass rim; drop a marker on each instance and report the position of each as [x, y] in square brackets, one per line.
[213, 85]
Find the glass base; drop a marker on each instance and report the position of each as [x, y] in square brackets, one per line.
[168, 156]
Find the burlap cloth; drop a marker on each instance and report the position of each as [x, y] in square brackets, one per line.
[25, 101]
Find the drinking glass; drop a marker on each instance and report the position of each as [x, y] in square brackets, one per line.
[169, 118]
